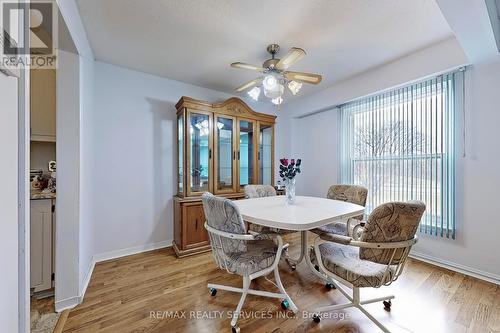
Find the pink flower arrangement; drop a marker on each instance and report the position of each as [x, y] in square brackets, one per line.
[289, 169]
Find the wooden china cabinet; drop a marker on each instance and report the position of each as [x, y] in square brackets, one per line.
[220, 148]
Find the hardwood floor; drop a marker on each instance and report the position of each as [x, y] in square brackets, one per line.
[42, 305]
[152, 292]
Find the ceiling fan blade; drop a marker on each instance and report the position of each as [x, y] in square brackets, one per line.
[247, 66]
[294, 55]
[250, 84]
[303, 77]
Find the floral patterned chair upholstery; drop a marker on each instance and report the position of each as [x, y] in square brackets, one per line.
[238, 252]
[349, 193]
[259, 191]
[375, 258]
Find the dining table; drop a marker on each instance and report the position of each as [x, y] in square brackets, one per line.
[304, 214]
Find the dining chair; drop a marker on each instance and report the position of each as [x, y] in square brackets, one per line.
[349, 193]
[261, 191]
[241, 253]
[374, 259]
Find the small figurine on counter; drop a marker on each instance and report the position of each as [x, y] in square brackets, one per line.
[38, 183]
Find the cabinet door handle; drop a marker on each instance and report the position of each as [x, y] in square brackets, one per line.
[234, 155]
[196, 225]
[210, 153]
[238, 155]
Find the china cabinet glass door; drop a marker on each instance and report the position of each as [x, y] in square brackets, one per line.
[225, 154]
[200, 152]
[265, 154]
[246, 153]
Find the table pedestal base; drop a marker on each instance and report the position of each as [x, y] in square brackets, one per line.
[304, 249]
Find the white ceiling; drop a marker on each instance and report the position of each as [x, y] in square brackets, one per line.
[194, 41]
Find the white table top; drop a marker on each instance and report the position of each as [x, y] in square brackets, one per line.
[307, 212]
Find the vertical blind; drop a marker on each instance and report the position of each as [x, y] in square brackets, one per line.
[401, 145]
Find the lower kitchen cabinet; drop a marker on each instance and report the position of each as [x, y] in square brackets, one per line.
[41, 249]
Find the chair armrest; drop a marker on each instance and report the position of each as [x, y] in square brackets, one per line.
[385, 245]
[246, 237]
[228, 234]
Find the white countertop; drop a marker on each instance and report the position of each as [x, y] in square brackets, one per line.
[307, 212]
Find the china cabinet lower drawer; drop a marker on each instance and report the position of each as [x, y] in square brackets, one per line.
[190, 235]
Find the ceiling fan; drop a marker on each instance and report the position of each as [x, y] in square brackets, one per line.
[276, 75]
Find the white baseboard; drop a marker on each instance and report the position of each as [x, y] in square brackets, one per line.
[482, 275]
[131, 250]
[86, 281]
[113, 255]
[67, 303]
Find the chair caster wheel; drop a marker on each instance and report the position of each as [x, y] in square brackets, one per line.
[235, 329]
[284, 304]
[387, 305]
[316, 318]
[330, 286]
[293, 267]
[316, 267]
[213, 291]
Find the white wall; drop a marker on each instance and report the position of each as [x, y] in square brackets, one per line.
[476, 245]
[68, 182]
[87, 188]
[133, 157]
[83, 229]
[9, 314]
[474, 250]
[317, 142]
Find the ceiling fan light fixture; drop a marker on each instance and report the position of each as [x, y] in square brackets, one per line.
[276, 77]
[294, 87]
[254, 93]
[270, 82]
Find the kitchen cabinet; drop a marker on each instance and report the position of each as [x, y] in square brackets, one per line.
[41, 244]
[43, 105]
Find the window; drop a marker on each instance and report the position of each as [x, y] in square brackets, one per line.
[401, 145]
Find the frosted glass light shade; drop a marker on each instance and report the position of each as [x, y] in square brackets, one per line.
[254, 93]
[294, 87]
[274, 93]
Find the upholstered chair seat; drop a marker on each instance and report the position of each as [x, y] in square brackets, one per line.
[339, 228]
[344, 261]
[258, 256]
